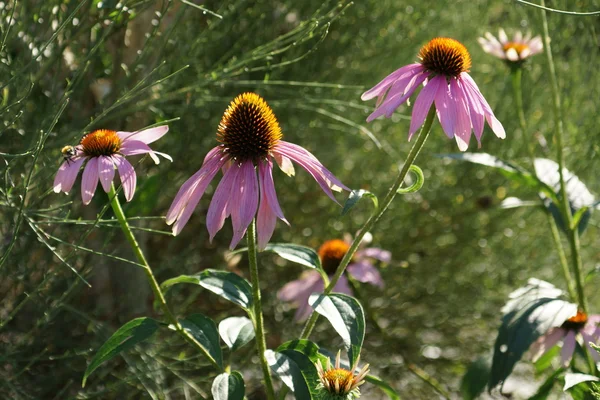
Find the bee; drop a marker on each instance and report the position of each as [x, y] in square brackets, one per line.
[68, 153]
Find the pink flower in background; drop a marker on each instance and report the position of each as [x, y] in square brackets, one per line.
[580, 328]
[104, 150]
[515, 50]
[250, 139]
[331, 253]
[442, 71]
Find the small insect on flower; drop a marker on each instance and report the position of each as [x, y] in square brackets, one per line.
[68, 153]
[338, 383]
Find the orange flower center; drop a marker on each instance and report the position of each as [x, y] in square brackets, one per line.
[249, 128]
[518, 47]
[577, 322]
[338, 378]
[331, 253]
[445, 56]
[102, 142]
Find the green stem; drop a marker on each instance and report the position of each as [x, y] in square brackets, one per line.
[259, 327]
[118, 210]
[561, 256]
[370, 223]
[572, 231]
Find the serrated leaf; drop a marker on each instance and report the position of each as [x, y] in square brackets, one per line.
[228, 285]
[228, 386]
[126, 337]
[204, 330]
[347, 317]
[295, 370]
[355, 197]
[236, 332]
[476, 378]
[573, 379]
[295, 253]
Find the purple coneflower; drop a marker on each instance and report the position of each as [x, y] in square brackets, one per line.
[579, 328]
[250, 139]
[336, 382]
[331, 253]
[104, 150]
[515, 50]
[442, 70]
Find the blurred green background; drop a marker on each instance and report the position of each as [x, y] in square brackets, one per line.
[456, 255]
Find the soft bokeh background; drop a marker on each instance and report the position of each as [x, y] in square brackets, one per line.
[456, 255]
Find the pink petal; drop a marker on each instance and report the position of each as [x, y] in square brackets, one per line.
[89, 180]
[423, 104]
[268, 188]
[66, 175]
[285, 164]
[496, 126]
[135, 147]
[374, 252]
[388, 107]
[364, 271]
[217, 211]
[299, 291]
[244, 201]
[463, 119]
[385, 84]
[568, 347]
[127, 175]
[475, 110]
[269, 209]
[446, 109]
[546, 342]
[106, 172]
[342, 286]
[147, 135]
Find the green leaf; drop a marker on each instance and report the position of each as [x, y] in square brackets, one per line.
[204, 330]
[228, 386]
[417, 185]
[573, 379]
[514, 202]
[546, 388]
[531, 311]
[304, 346]
[228, 285]
[476, 378]
[383, 386]
[295, 253]
[236, 332]
[354, 198]
[295, 370]
[126, 337]
[347, 317]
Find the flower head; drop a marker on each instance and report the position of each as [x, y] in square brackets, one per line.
[443, 71]
[250, 138]
[514, 50]
[337, 383]
[580, 328]
[331, 253]
[104, 150]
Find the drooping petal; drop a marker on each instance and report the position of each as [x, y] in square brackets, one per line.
[244, 201]
[471, 86]
[106, 172]
[147, 135]
[568, 347]
[446, 109]
[423, 104]
[66, 175]
[89, 180]
[546, 342]
[269, 208]
[217, 211]
[462, 131]
[364, 271]
[385, 84]
[127, 175]
[388, 107]
[476, 113]
[285, 164]
[135, 147]
[268, 189]
[376, 253]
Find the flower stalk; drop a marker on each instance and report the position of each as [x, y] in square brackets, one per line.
[118, 210]
[257, 315]
[370, 223]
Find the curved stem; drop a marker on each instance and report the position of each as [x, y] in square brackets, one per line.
[118, 210]
[257, 318]
[370, 223]
[572, 231]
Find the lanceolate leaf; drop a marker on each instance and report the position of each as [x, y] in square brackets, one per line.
[475, 379]
[126, 337]
[228, 386]
[347, 318]
[236, 332]
[295, 253]
[226, 284]
[295, 370]
[572, 379]
[204, 330]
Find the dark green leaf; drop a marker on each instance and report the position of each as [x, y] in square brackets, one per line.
[355, 196]
[476, 378]
[226, 284]
[295, 370]
[236, 332]
[228, 386]
[306, 347]
[204, 330]
[383, 386]
[572, 379]
[295, 253]
[127, 336]
[546, 388]
[347, 318]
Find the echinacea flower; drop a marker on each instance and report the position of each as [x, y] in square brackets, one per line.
[442, 70]
[331, 253]
[337, 383]
[250, 139]
[513, 50]
[104, 150]
[581, 328]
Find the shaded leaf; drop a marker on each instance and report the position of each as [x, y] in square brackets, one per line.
[228, 386]
[295, 370]
[355, 197]
[546, 388]
[295, 253]
[347, 318]
[236, 332]
[476, 378]
[204, 330]
[126, 337]
[572, 379]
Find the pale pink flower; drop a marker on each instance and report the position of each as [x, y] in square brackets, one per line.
[442, 70]
[104, 150]
[581, 328]
[331, 253]
[251, 141]
[514, 50]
